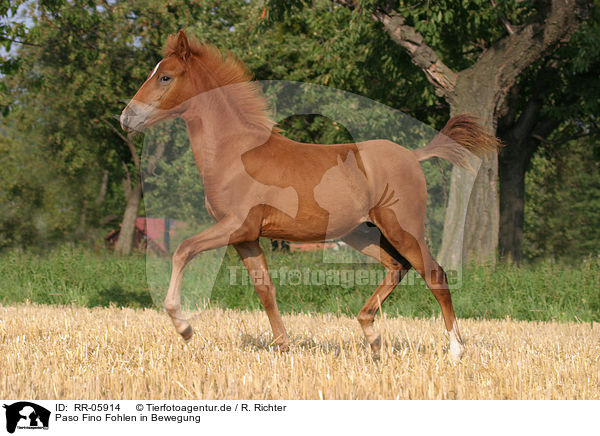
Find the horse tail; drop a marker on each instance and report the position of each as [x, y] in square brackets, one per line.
[460, 135]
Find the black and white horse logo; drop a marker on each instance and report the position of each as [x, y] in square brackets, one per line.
[26, 415]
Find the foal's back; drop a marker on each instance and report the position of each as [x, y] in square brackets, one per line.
[337, 185]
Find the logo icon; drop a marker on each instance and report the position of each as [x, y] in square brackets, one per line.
[26, 415]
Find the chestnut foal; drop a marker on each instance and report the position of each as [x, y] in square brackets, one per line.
[257, 182]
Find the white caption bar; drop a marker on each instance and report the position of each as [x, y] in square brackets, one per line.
[23, 417]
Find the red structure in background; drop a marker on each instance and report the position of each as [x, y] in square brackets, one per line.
[150, 233]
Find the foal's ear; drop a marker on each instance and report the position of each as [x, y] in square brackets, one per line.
[182, 47]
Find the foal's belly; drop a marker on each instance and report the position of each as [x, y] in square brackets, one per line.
[306, 227]
[329, 205]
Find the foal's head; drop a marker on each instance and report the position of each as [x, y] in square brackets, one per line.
[166, 88]
[188, 69]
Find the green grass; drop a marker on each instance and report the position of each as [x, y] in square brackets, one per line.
[75, 275]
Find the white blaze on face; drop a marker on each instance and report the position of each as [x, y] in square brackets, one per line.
[154, 71]
[134, 119]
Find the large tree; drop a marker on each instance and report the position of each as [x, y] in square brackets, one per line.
[556, 100]
[515, 35]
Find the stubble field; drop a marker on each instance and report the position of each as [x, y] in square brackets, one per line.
[54, 352]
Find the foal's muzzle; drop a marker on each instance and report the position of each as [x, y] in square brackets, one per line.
[133, 118]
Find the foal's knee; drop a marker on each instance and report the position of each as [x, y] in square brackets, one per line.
[366, 317]
[172, 307]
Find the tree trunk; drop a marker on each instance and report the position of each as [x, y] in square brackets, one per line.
[512, 206]
[134, 195]
[520, 145]
[471, 222]
[461, 185]
[482, 218]
[127, 233]
[103, 187]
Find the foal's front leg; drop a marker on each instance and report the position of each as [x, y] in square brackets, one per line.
[255, 263]
[227, 231]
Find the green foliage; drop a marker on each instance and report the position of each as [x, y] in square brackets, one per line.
[572, 85]
[566, 82]
[459, 31]
[83, 58]
[174, 188]
[65, 89]
[10, 30]
[562, 214]
[20, 196]
[38, 206]
[329, 44]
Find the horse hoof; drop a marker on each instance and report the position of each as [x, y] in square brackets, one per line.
[456, 351]
[376, 345]
[187, 334]
[283, 348]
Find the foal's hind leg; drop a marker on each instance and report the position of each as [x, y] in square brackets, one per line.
[414, 249]
[369, 240]
[255, 263]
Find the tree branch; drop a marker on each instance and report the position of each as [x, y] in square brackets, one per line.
[512, 54]
[507, 25]
[103, 188]
[155, 157]
[499, 65]
[517, 138]
[126, 180]
[423, 56]
[130, 145]
[528, 119]
[562, 140]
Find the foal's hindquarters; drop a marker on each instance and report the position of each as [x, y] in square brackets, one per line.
[395, 235]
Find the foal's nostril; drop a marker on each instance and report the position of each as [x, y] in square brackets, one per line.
[125, 120]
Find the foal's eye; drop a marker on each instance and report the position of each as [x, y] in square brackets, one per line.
[165, 79]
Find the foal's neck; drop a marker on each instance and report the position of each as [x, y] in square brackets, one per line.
[220, 130]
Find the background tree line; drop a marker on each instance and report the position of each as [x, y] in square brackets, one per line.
[526, 68]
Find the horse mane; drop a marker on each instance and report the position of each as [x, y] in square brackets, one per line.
[229, 71]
